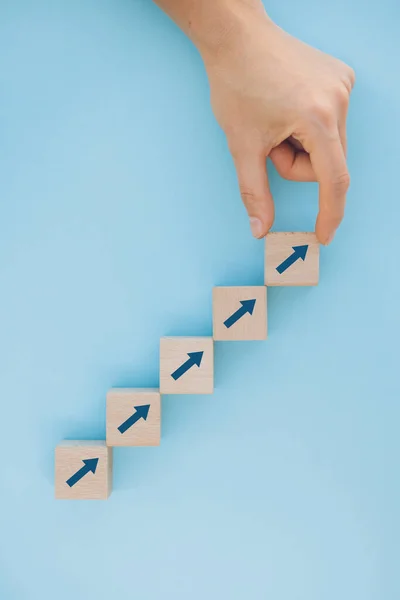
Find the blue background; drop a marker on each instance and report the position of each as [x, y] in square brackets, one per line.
[119, 211]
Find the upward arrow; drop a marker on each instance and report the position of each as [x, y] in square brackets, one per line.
[299, 252]
[90, 464]
[247, 307]
[141, 412]
[195, 358]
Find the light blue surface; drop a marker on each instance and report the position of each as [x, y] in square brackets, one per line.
[119, 211]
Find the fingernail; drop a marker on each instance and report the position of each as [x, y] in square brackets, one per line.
[256, 227]
[330, 238]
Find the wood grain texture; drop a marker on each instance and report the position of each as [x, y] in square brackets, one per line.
[279, 246]
[227, 300]
[68, 460]
[174, 353]
[121, 403]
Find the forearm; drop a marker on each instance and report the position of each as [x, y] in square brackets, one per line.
[210, 23]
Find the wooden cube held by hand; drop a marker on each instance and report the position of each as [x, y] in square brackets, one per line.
[291, 258]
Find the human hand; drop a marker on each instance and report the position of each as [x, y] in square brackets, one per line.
[276, 97]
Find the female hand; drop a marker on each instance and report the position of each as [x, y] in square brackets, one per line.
[276, 97]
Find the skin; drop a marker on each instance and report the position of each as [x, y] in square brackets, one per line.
[275, 97]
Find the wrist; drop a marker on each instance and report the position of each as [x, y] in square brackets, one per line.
[214, 28]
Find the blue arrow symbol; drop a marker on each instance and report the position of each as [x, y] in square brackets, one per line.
[90, 464]
[299, 252]
[194, 359]
[247, 307]
[141, 413]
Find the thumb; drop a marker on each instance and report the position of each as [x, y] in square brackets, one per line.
[254, 188]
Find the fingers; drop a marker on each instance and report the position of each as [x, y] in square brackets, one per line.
[290, 164]
[350, 78]
[343, 135]
[342, 124]
[254, 188]
[325, 164]
[329, 164]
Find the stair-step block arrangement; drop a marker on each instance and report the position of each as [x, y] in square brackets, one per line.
[83, 469]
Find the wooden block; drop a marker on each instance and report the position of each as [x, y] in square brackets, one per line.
[240, 313]
[186, 365]
[83, 470]
[133, 417]
[291, 259]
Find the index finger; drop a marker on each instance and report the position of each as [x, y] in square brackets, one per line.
[329, 164]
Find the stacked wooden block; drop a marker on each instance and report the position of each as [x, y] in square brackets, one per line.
[83, 469]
